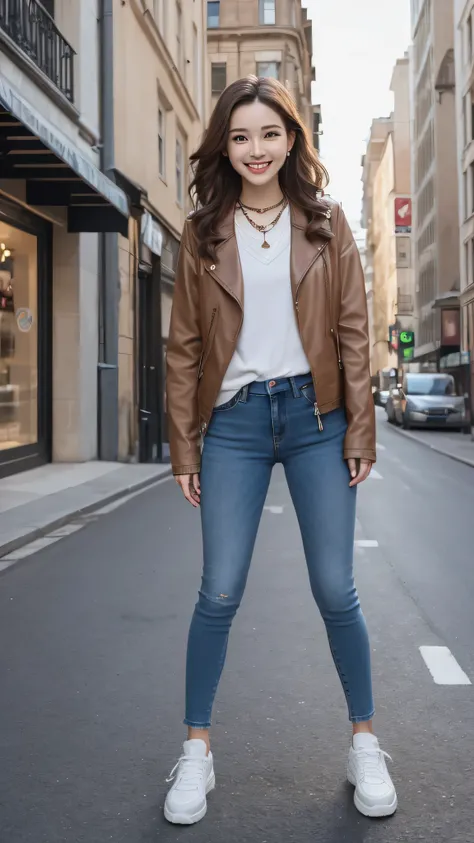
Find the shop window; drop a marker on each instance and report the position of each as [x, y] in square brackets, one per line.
[18, 338]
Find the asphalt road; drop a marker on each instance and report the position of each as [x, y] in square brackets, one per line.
[92, 640]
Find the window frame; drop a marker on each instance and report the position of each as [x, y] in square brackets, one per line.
[220, 65]
[180, 174]
[262, 12]
[214, 17]
[277, 64]
[162, 138]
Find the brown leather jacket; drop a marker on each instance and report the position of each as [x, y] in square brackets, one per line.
[331, 310]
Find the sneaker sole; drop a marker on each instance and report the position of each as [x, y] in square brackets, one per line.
[190, 819]
[372, 810]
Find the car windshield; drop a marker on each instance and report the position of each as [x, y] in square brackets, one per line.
[429, 385]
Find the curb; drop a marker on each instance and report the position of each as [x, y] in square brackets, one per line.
[56, 523]
[435, 448]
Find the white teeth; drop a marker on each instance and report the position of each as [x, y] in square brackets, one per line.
[259, 166]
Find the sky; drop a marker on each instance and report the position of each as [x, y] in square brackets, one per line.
[355, 46]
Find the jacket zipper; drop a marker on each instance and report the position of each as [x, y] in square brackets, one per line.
[206, 345]
[317, 411]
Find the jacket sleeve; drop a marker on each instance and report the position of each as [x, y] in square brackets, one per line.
[182, 363]
[353, 330]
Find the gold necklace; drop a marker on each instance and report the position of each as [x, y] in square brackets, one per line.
[263, 210]
[263, 229]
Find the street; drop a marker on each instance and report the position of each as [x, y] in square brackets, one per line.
[93, 632]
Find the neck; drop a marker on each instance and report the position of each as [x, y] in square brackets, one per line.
[261, 197]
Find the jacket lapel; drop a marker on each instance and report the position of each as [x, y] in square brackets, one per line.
[303, 251]
[226, 269]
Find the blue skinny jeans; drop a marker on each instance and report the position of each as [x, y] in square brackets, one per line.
[266, 423]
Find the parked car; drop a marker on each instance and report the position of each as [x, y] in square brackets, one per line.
[427, 400]
[381, 397]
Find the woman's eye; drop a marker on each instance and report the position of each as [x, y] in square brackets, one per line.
[239, 138]
[272, 135]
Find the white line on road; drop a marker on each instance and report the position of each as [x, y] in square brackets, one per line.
[374, 475]
[381, 447]
[275, 510]
[366, 543]
[443, 666]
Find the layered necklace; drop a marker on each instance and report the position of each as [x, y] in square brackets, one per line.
[263, 229]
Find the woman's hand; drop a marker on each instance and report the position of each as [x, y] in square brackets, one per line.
[359, 470]
[190, 487]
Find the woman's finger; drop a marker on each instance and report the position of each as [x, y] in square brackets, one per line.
[364, 471]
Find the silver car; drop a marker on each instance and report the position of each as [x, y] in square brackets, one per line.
[429, 400]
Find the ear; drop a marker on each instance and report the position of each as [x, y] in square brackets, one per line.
[224, 152]
[291, 140]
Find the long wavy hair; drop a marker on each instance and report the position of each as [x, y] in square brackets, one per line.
[216, 186]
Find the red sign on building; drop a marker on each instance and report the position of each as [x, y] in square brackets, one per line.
[402, 215]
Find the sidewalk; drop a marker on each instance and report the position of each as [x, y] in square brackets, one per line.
[457, 446]
[34, 502]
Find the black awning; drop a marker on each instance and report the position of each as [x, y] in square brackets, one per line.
[55, 170]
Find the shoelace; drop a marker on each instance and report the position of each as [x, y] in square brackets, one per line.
[191, 771]
[373, 761]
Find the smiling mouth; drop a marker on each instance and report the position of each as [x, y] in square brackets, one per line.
[259, 168]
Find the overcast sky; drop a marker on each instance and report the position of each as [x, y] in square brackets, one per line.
[355, 46]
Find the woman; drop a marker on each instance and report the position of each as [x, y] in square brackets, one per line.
[268, 361]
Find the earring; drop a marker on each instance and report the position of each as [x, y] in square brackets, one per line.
[288, 153]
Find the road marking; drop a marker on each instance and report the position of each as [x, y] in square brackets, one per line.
[381, 447]
[28, 549]
[443, 666]
[366, 543]
[374, 475]
[65, 530]
[275, 510]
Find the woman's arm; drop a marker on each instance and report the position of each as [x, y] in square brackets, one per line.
[355, 352]
[182, 361]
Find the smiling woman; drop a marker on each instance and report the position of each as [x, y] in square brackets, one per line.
[255, 141]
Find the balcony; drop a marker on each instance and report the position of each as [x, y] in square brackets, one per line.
[33, 30]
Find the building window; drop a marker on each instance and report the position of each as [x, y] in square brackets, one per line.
[469, 38]
[159, 11]
[213, 12]
[269, 69]
[162, 142]
[180, 177]
[218, 77]
[266, 12]
[179, 39]
[466, 194]
[196, 68]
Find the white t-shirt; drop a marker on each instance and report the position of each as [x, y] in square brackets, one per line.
[269, 345]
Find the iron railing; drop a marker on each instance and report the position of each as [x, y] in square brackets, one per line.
[31, 27]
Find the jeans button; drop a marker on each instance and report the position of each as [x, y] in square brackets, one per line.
[272, 383]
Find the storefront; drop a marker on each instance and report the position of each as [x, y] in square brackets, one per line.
[25, 339]
[51, 196]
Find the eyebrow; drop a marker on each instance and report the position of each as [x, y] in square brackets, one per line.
[272, 126]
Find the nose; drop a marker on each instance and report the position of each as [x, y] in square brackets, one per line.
[256, 151]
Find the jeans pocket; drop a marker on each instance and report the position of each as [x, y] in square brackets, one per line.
[307, 391]
[229, 405]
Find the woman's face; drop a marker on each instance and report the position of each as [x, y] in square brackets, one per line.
[258, 142]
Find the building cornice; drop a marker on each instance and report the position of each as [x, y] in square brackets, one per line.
[257, 33]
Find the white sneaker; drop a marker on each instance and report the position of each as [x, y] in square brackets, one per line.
[194, 777]
[375, 794]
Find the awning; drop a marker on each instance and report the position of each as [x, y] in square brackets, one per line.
[57, 173]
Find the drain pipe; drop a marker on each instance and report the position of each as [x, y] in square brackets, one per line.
[107, 416]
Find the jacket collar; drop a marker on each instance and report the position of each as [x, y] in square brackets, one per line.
[227, 269]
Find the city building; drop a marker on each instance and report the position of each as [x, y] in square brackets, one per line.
[464, 63]
[265, 38]
[55, 205]
[386, 215]
[160, 103]
[435, 181]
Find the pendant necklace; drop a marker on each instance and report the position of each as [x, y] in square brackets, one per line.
[263, 229]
